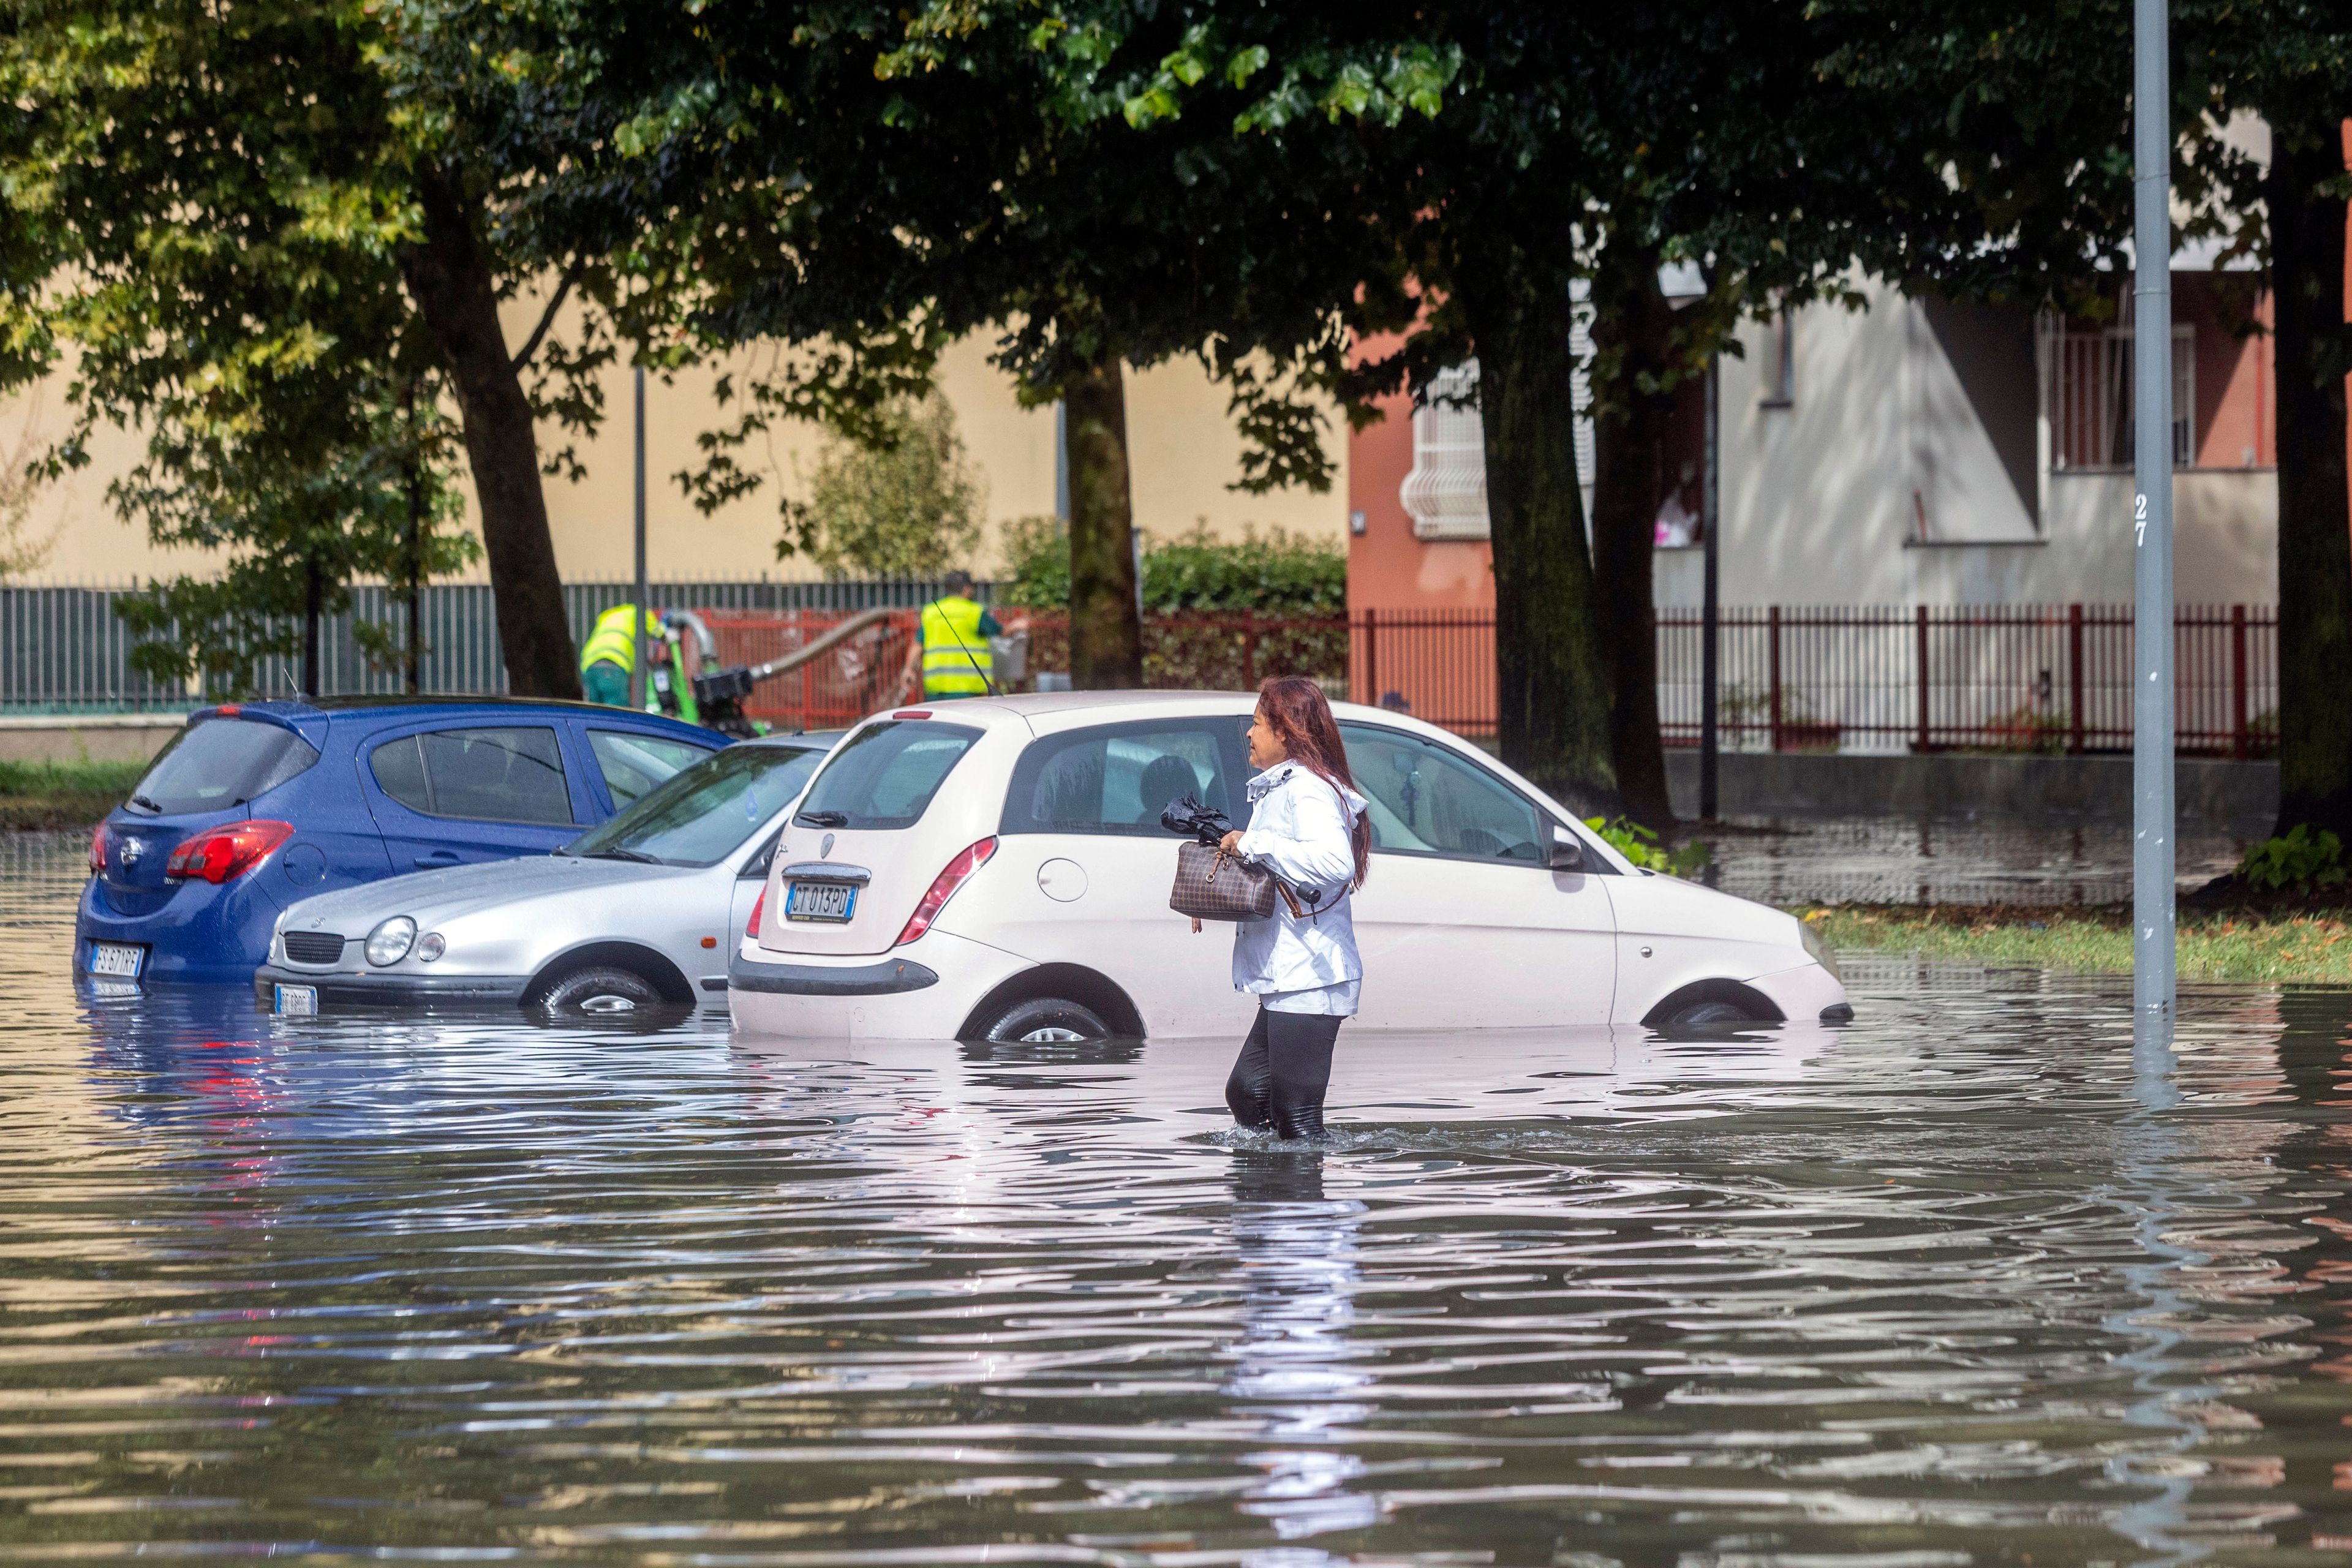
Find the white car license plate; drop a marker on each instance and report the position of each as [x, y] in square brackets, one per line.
[121, 961]
[297, 1001]
[820, 901]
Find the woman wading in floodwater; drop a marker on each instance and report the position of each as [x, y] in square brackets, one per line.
[1307, 827]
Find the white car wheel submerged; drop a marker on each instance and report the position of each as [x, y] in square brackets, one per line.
[1045, 1020]
[1708, 1013]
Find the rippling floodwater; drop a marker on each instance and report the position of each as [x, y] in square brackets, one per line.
[1952, 1285]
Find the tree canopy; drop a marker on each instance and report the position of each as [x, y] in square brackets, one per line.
[855, 180]
[909, 505]
[259, 237]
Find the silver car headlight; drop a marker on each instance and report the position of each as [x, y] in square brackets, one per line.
[1820, 949]
[389, 942]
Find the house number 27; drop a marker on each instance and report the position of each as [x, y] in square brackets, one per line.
[2139, 519]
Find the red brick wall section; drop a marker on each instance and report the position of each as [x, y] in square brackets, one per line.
[1388, 568]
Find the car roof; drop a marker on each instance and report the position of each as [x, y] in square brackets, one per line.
[360, 703]
[1048, 712]
[1045, 712]
[826, 738]
[398, 706]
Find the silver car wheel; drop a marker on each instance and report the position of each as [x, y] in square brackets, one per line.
[599, 992]
[1045, 1021]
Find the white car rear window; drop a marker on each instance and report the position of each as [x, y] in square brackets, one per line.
[885, 775]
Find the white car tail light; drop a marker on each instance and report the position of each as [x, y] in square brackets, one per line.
[759, 908]
[943, 887]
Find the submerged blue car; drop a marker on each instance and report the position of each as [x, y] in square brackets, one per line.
[256, 805]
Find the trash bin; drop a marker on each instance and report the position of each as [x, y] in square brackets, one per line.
[1009, 654]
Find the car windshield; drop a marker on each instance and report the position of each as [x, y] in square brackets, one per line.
[219, 763]
[885, 775]
[703, 815]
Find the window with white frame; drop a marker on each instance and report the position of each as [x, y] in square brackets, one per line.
[2088, 395]
[1445, 493]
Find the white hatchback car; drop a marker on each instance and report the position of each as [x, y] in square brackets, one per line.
[994, 869]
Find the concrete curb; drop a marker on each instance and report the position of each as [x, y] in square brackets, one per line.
[86, 737]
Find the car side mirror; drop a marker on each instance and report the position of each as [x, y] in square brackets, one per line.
[1567, 850]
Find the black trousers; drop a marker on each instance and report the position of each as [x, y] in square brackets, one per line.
[1285, 1066]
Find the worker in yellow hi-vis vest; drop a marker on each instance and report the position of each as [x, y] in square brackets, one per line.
[610, 652]
[953, 650]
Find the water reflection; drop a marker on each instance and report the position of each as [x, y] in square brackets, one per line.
[1297, 1374]
[1970, 1282]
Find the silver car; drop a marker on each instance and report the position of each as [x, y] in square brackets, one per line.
[634, 915]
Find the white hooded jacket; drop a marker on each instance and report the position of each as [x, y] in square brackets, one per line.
[1300, 829]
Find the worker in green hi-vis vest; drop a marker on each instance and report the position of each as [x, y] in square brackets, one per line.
[952, 649]
[610, 652]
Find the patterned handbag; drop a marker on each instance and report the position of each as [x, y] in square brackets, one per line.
[1211, 884]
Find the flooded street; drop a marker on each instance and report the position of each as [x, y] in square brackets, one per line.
[1961, 1283]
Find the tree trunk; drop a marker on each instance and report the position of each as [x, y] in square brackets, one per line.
[1551, 688]
[2314, 515]
[451, 282]
[1105, 635]
[1632, 319]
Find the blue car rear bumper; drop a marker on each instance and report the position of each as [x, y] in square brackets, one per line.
[202, 934]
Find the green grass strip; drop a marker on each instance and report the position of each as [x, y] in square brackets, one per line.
[2300, 948]
[63, 795]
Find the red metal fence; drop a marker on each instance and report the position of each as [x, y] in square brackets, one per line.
[835, 688]
[2053, 678]
[1437, 665]
[1183, 652]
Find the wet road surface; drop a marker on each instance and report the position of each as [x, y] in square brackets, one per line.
[1963, 1283]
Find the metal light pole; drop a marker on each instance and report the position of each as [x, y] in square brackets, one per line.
[1711, 521]
[638, 665]
[2153, 976]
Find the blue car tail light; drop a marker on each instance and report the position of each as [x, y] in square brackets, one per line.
[224, 854]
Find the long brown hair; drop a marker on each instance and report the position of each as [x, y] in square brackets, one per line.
[1300, 718]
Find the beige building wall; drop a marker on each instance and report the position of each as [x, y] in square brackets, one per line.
[1184, 450]
[1822, 494]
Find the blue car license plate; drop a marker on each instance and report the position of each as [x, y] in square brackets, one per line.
[834, 901]
[116, 959]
